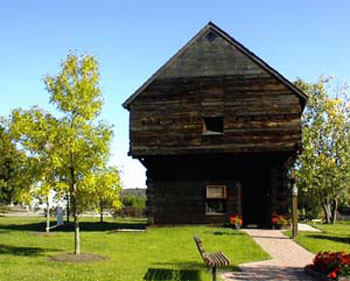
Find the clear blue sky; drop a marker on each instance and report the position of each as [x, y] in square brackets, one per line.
[132, 39]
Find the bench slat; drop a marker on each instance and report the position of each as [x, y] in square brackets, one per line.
[218, 258]
[222, 258]
[215, 259]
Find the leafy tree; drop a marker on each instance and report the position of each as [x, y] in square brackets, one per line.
[13, 173]
[83, 145]
[37, 132]
[323, 167]
[107, 190]
[133, 203]
[69, 152]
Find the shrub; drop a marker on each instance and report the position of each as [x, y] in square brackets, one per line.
[279, 220]
[331, 264]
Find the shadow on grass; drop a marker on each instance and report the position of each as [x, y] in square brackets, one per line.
[331, 238]
[227, 233]
[194, 265]
[172, 274]
[68, 227]
[24, 251]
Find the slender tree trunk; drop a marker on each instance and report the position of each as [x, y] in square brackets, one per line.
[76, 233]
[101, 211]
[326, 210]
[75, 213]
[76, 222]
[68, 208]
[12, 195]
[47, 214]
[335, 208]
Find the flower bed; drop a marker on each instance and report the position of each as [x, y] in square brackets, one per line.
[236, 220]
[334, 265]
[279, 221]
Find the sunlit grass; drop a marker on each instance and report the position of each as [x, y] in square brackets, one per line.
[332, 238]
[162, 251]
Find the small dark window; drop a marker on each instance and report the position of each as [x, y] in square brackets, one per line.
[211, 36]
[213, 125]
[215, 199]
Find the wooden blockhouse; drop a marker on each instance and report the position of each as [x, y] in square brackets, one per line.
[216, 128]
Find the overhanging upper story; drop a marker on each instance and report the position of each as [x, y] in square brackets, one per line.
[215, 96]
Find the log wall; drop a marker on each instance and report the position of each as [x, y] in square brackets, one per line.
[176, 188]
[212, 79]
[215, 77]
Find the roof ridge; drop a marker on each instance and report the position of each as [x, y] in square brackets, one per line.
[231, 40]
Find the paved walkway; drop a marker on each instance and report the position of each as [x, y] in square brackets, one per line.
[307, 227]
[287, 263]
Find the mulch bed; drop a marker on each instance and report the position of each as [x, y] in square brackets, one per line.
[80, 258]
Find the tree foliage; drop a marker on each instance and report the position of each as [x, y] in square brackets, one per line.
[37, 132]
[71, 150]
[83, 145]
[323, 167]
[105, 188]
[14, 177]
[134, 201]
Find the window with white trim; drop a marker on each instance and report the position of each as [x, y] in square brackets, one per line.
[215, 199]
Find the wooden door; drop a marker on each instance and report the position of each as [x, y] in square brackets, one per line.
[255, 198]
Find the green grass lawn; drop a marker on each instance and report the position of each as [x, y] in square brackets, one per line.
[160, 253]
[332, 238]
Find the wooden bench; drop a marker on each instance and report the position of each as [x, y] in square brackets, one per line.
[212, 260]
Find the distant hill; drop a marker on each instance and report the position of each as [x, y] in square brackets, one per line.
[138, 192]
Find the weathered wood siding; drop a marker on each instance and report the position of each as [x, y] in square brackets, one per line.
[176, 187]
[213, 78]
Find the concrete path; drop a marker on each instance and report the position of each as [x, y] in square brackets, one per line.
[287, 263]
[307, 227]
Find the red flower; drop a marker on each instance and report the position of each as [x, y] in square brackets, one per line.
[331, 264]
[274, 220]
[333, 274]
[235, 219]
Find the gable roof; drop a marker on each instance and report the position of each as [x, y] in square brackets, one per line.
[239, 46]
